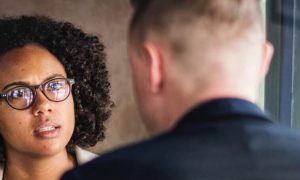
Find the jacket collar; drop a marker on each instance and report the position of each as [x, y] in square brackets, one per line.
[227, 107]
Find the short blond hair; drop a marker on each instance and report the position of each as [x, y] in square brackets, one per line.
[162, 16]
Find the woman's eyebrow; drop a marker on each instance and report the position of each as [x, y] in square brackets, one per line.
[53, 76]
[26, 84]
[15, 84]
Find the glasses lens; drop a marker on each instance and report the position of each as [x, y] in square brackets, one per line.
[57, 89]
[20, 97]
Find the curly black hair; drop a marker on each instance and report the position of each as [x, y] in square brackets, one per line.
[84, 59]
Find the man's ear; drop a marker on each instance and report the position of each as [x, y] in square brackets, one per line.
[268, 51]
[154, 60]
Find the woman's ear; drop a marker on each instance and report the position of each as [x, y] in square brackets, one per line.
[154, 59]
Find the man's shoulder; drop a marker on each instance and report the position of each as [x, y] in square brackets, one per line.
[147, 149]
[135, 160]
[198, 150]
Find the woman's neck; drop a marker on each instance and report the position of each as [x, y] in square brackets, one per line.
[36, 168]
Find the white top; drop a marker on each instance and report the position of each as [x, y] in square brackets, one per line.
[82, 156]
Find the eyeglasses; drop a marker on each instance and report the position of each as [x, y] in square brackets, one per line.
[21, 97]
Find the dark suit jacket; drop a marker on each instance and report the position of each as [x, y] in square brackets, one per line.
[222, 139]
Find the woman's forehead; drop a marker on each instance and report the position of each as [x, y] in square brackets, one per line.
[30, 64]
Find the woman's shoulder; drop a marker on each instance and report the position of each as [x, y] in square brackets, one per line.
[83, 156]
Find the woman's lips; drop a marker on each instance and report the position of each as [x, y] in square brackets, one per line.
[47, 131]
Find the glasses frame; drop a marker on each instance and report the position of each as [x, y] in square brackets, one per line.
[33, 88]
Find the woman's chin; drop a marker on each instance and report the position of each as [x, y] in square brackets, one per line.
[49, 150]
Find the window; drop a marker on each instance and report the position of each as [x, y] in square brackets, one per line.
[282, 86]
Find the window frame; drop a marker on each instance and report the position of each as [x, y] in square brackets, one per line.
[279, 84]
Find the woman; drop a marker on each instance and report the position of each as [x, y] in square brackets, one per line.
[54, 96]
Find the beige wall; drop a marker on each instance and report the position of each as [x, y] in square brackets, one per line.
[109, 19]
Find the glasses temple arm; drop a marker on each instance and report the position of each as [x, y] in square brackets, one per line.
[2, 96]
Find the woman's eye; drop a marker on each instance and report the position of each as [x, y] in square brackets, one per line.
[17, 93]
[54, 86]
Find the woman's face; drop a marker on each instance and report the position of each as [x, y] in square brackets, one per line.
[46, 127]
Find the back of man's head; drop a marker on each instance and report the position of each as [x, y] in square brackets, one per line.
[215, 48]
[162, 16]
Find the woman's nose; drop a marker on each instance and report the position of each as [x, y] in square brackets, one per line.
[42, 105]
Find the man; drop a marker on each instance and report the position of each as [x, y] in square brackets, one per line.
[197, 66]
